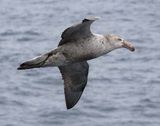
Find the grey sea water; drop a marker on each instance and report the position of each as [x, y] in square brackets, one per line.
[123, 87]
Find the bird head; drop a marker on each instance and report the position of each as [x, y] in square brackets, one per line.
[119, 42]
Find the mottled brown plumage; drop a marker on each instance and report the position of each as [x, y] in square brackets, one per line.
[78, 44]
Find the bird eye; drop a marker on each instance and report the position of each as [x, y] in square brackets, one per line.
[119, 39]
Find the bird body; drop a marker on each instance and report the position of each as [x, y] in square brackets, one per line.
[85, 48]
[78, 44]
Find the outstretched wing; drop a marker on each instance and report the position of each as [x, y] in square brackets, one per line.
[75, 79]
[77, 31]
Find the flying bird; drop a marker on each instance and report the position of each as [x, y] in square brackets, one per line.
[77, 45]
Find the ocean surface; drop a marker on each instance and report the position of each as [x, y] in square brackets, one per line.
[123, 87]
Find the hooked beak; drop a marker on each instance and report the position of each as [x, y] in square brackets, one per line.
[128, 45]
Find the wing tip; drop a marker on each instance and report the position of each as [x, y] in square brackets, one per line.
[90, 18]
[69, 106]
[72, 98]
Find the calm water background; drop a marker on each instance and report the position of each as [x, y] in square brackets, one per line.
[123, 87]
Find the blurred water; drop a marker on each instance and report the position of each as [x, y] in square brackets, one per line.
[123, 87]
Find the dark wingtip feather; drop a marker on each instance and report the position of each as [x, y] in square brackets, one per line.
[72, 98]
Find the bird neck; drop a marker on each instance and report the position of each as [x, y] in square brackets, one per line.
[109, 44]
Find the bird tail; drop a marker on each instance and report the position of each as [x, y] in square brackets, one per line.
[34, 63]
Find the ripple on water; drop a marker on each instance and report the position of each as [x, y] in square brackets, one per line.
[9, 33]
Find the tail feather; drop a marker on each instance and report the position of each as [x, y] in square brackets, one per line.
[34, 63]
